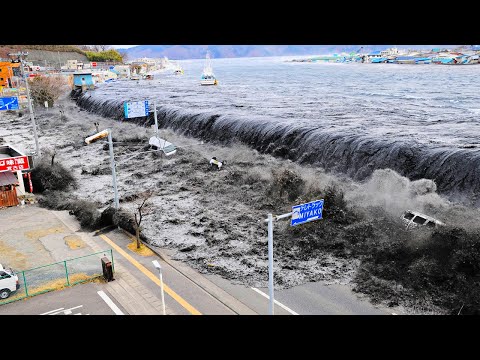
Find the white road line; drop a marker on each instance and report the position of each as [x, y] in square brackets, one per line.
[110, 303]
[275, 301]
[60, 310]
[52, 311]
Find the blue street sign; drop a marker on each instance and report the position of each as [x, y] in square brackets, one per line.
[307, 212]
[136, 109]
[9, 103]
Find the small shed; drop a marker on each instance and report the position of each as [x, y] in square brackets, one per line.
[83, 80]
[8, 193]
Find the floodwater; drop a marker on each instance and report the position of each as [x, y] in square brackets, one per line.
[419, 120]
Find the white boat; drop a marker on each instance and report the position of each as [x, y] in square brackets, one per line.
[208, 77]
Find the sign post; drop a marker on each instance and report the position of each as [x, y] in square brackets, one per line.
[270, 263]
[155, 116]
[300, 214]
[9, 103]
[14, 163]
[135, 109]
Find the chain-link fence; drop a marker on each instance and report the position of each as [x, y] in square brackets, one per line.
[58, 275]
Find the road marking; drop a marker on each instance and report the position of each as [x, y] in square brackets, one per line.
[110, 303]
[152, 277]
[52, 311]
[275, 301]
[65, 311]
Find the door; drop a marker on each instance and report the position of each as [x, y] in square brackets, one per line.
[8, 197]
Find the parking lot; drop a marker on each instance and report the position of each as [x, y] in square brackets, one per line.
[82, 299]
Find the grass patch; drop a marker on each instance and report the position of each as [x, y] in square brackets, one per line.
[37, 234]
[57, 284]
[74, 242]
[143, 251]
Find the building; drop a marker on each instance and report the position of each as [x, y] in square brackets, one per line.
[13, 164]
[73, 65]
[83, 80]
[122, 71]
[8, 193]
[8, 72]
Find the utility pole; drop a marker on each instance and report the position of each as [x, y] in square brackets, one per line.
[114, 175]
[32, 116]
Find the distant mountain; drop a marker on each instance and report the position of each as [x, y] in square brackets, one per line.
[180, 52]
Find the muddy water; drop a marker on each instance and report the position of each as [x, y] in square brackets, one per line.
[420, 121]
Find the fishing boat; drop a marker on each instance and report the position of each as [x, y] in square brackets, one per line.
[178, 70]
[208, 77]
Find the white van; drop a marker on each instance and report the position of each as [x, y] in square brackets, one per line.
[8, 282]
[413, 219]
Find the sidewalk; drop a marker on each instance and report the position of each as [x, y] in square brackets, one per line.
[128, 291]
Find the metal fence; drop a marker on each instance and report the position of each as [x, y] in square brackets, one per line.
[58, 275]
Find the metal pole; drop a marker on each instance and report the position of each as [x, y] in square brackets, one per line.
[270, 263]
[161, 289]
[113, 264]
[155, 116]
[37, 147]
[114, 175]
[66, 272]
[25, 283]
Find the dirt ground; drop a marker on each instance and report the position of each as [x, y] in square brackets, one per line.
[213, 219]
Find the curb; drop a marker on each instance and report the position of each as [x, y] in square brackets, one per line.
[237, 309]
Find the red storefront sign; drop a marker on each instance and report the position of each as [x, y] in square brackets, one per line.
[14, 163]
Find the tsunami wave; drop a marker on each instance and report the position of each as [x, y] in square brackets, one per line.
[454, 170]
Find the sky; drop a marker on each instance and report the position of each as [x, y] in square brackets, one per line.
[123, 46]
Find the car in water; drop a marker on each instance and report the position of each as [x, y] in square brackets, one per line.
[8, 282]
[413, 219]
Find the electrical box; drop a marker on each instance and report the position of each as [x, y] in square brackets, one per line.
[107, 269]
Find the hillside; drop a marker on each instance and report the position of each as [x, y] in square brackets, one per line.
[49, 55]
[228, 51]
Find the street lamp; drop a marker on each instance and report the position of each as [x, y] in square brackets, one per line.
[101, 135]
[19, 56]
[159, 268]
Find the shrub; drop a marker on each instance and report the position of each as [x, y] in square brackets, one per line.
[46, 176]
[85, 211]
[286, 183]
[47, 88]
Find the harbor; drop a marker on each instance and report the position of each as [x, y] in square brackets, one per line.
[465, 55]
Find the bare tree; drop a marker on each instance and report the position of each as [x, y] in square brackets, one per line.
[104, 47]
[124, 55]
[43, 88]
[142, 209]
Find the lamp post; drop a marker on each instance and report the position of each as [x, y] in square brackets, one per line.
[159, 268]
[19, 57]
[101, 135]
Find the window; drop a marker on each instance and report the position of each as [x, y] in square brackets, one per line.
[408, 216]
[430, 224]
[4, 275]
[419, 220]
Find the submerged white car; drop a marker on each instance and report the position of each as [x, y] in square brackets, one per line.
[8, 282]
[413, 219]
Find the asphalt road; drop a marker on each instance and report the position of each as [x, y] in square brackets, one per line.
[81, 299]
[308, 299]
